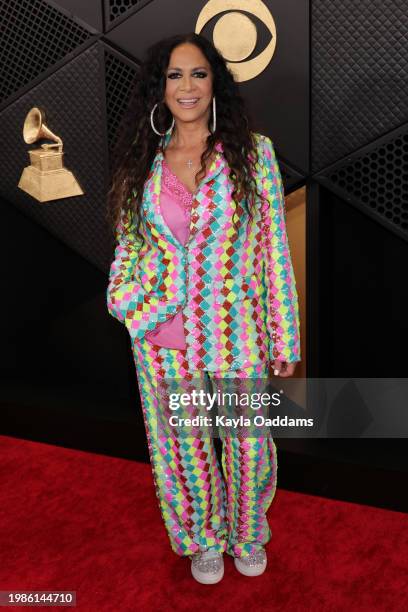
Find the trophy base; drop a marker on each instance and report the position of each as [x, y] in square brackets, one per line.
[49, 185]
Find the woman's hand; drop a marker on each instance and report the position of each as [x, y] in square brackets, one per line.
[283, 369]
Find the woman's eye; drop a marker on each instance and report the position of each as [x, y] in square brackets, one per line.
[200, 74]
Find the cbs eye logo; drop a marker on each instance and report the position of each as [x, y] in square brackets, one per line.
[235, 34]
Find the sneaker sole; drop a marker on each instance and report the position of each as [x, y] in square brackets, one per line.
[210, 579]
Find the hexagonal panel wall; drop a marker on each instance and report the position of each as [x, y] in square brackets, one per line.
[33, 37]
[359, 77]
[375, 179]
[89, 12]
[74, 100]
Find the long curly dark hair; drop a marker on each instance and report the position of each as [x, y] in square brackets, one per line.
[136, 144]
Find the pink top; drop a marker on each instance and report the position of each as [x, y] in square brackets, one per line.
[175, 205]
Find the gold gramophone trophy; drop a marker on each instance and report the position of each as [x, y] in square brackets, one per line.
[46, 178]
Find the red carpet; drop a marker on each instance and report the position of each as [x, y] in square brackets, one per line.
[71, 520]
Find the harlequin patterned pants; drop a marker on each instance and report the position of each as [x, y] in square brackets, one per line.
[202, 504]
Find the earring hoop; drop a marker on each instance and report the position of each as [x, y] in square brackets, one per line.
[214, 121]
[154, 127]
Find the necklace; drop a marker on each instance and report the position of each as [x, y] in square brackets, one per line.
[189, 162]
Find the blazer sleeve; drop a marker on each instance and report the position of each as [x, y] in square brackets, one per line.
[282, 299]
[124, 292]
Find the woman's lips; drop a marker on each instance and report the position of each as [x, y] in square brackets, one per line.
[186, 104]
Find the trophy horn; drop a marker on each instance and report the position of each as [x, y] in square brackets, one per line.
[35, 128]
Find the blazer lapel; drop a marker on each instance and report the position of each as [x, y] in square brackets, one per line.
[210, 198]
[151, 204]
[204, 209]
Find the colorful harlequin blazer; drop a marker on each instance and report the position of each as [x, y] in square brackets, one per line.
[235, 286]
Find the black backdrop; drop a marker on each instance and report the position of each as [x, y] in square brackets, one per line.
[333, 99]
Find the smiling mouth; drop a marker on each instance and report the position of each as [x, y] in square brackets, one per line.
[188, 102]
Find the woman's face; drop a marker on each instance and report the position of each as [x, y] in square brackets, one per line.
[188, 77]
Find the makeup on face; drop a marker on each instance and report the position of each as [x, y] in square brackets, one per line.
[188, 83]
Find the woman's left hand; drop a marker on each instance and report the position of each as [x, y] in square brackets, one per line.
[283, 369]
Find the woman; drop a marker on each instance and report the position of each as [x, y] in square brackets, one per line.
[203, 280]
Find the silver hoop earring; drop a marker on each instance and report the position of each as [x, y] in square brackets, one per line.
[214, 121]
[153, 126]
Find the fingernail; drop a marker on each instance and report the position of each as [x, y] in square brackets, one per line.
[276, 372]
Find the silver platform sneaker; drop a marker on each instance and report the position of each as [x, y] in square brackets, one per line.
[207, 567]
[253, 564]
